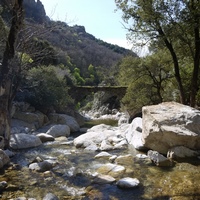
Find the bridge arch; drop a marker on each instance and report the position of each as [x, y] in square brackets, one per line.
[112, 94]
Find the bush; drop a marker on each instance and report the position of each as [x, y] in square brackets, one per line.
[47, 88]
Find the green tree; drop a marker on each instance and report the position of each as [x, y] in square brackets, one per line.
[79, 79]
[47, 87]
[148, 80]
[92, 78]
[168, 23]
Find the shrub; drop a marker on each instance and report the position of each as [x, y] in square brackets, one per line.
[47, 88]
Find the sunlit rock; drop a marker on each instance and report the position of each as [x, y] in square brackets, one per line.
[105, 137]
[128, 182]
[170, 124]
[59, 130]
[43, 166]
[158, 159]
[103, 179]
[103, 154]
[123, 120]
[124, 160]
[50, 196]
[74, 191]
[134, 134]
[106, 146]
[45, 137]
[112, 170]
[141, 156]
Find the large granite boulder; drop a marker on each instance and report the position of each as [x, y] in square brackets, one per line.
[65, 119]
[59, 130]
[34, 119]
[170, 124]
[23, 141]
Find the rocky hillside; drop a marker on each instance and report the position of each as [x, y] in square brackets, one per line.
[55, 42]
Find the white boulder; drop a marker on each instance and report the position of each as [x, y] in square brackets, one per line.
[134, 134]
[104, 137]
[59, 130]
[45, 137]
[128, 182]
[170, 124]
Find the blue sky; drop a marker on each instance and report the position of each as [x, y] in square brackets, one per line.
[97, 16]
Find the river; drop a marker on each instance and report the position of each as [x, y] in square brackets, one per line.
[72, 178]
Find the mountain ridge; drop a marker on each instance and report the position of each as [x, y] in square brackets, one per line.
[68, 45]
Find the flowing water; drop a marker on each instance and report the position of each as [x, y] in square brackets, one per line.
[71, 177]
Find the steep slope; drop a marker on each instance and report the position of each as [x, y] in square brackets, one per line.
[59, 43]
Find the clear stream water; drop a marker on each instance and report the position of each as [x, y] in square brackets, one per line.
[70, 178]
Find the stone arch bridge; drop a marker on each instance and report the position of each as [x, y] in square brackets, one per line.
[79, 93]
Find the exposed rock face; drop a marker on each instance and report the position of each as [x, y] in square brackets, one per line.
[170, 124]
[35, 10]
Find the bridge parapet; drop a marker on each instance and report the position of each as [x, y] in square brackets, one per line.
[78, 93]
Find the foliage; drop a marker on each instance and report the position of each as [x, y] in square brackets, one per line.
[54, 43]
[42, 52]
[171, 24]
[25, 58]
[79, 79]
[148, 80]
[92, 77]
[47, 88]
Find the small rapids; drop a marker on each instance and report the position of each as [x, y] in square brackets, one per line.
[73, 175]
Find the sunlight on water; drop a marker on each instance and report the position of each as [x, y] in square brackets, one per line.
[75, 167]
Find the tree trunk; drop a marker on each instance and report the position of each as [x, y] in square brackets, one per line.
[176, 65]
[7, 72]
[195, 75]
